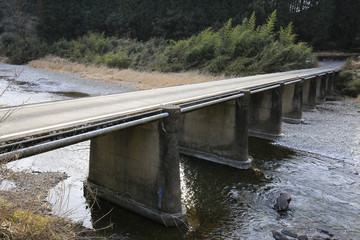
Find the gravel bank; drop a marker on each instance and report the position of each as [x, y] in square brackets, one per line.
[29, 190]
[332, 130]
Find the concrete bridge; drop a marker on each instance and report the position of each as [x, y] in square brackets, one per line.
[136, 137]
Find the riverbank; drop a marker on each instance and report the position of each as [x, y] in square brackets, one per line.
[25, 211]
[319, 133]
[137, 79]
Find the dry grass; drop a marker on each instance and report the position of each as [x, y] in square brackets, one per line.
[25, 213]
[355, 64]
[140, 80]
[4, 59]
[357, 100]
[18, 224]
[334, 54]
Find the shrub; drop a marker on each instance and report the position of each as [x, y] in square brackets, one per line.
[353, 88]
[236, 50]
[218, 65]
[21, 50]
[87, 49]
[62, 48]
[256, 49]
[242, 66]
[117, 60]
[144, 55]
[349, 79]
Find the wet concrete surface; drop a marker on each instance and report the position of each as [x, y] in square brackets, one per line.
[317, 163]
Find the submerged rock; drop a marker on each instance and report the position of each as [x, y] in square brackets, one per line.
[288, 233]
[279, 236]
[303, 237]
[282, 202]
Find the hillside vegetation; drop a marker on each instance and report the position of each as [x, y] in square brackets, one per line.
[239, 50]
[324, 24]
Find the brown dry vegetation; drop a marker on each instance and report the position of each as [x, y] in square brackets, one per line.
[25, 212]
[355, 64]
[137, 79]
[334, 53]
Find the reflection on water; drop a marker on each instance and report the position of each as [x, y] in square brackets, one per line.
[225, 203]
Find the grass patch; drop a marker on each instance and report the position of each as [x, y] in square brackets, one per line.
[20, 224]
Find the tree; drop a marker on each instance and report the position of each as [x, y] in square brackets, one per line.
[17, 20]
[59, 20]
[345, 29]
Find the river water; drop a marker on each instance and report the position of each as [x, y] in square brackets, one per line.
[317, 163]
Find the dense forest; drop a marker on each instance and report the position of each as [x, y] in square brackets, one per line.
[324, 24]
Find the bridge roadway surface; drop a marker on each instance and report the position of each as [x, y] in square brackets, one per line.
[29, 120]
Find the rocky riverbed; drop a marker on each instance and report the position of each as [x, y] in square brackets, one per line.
[331, 130]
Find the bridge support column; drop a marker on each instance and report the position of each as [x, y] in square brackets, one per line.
[266, 113]
[138, 169]
[321, 89]
[292, 102]
[218, 133]
[330, 85]
[309, 94]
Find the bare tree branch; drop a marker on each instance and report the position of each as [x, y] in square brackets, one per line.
[16, 20]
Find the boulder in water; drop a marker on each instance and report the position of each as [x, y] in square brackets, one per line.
[282, 202]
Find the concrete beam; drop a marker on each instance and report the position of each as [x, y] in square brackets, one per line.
[138, 168]
[266, 113]
[292, 100]
[309, 94]
[218, 133]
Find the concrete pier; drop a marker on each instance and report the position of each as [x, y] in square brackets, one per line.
[309, 94]
[218, 133]
[138, 169]
[292, 101]
[321, 89]
[265, 113]
[330, 85]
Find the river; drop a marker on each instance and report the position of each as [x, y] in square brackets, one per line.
[317, 163]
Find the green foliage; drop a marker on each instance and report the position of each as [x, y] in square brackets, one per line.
[62, 48]
[144, 55]
[23, 50]
[85, 49]
[117, 60]
[286, 36]
[349, 79]
[218, 65]
[324, 24]
[239, 50]
[92, 48]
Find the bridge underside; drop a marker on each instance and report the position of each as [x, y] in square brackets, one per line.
[266, 113]
[138, 167]
[218, 133]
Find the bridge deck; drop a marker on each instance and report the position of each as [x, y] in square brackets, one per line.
[32, 119]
